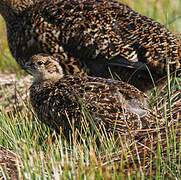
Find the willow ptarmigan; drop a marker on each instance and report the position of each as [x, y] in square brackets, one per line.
[59, 99]
[93, 37]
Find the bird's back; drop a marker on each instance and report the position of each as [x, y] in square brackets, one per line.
[108, 102]
[89, 36]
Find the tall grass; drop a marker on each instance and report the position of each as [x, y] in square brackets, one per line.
[43, 155]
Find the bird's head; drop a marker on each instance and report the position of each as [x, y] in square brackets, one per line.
[44, 67]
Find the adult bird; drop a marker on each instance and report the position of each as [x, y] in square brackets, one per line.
[93, 37]
[61, 100]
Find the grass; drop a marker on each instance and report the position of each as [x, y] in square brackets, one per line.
[46, 156]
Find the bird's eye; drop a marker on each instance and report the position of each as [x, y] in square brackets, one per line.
[40, 63]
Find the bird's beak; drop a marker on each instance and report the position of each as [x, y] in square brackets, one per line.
[26, 66]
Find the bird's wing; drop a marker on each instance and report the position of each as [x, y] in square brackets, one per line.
[98, 85]
[86, 31]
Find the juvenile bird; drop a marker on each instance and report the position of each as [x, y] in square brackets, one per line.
[93, 37]
[60, 100]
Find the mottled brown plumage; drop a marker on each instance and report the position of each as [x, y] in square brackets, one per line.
[60, 100]
[154, 144]
[91, 36]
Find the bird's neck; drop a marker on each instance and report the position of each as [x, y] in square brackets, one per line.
[47, 81]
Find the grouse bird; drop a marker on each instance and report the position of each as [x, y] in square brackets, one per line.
[93, 37]
[59, 99]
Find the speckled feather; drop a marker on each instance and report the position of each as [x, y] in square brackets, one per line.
[90, 36]
[59, 98]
